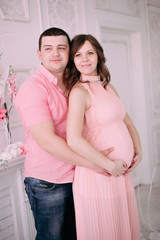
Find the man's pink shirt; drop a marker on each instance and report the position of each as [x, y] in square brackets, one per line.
[39, 99]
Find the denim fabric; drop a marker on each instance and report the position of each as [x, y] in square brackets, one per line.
[53, 209]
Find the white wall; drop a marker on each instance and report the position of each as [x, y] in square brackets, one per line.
[129, 32]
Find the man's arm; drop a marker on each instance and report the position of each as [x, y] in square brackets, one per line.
[44, 134]
[32, 104]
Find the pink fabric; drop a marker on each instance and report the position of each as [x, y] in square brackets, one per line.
[38, 100]
[106, 207]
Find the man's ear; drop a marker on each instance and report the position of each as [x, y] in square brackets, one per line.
[39, 54]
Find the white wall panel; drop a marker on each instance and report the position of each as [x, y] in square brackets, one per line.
[131, 7]
[16, 10]
[116, 48]
[154, 32]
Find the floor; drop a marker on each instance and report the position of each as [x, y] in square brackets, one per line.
[148, 198]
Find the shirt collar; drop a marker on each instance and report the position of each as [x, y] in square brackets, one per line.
[50, 77]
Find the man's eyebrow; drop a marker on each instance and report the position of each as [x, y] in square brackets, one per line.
[65, 45]
[47, 45]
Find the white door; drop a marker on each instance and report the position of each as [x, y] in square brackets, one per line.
[119, 26]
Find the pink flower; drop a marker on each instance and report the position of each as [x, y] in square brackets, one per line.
[2, 114]
[11, 83]
[23, 150]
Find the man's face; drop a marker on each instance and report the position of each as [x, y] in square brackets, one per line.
[54, 53]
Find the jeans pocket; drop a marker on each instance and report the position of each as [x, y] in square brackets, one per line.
[42, 185]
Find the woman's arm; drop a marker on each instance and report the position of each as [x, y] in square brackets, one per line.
[79, 102]
[136, 142]
[44, 134]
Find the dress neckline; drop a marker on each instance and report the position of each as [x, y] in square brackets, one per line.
[85, 78]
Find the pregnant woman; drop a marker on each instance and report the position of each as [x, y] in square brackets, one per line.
[105, 206]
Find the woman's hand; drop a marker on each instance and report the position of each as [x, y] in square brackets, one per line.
[119, 168]
[136, 160]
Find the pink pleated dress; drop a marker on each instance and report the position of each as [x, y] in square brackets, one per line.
[106, 207]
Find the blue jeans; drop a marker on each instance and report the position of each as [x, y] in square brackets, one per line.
[53, 209]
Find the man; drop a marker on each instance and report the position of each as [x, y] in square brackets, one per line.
[49, 163]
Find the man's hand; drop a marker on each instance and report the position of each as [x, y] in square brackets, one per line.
[107, 151]
[120, 168]
[100, 170]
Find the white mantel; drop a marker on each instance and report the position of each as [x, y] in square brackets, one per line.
[12, 165]
[16, 221]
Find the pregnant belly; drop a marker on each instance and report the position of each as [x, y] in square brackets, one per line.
[117, 136]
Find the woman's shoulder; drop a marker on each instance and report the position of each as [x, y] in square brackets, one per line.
[80, 95]
[112, 88]
[79, 89]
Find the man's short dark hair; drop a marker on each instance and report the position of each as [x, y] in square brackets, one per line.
[53, 32]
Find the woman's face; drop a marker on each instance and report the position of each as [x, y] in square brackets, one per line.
[86, 60]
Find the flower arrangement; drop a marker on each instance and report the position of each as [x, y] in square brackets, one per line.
[8, 80]
[10, 152]
[5, 110]
[2, 113]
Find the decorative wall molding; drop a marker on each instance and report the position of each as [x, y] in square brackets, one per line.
[7, 228]
[103, 4]
[22, 73]
[62, 14]
[16, 10]
[127, 7]
[155, 3]
[16, 219]
[154, 32]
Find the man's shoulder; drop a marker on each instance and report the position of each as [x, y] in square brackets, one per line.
[35, 79]
[33, 86]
